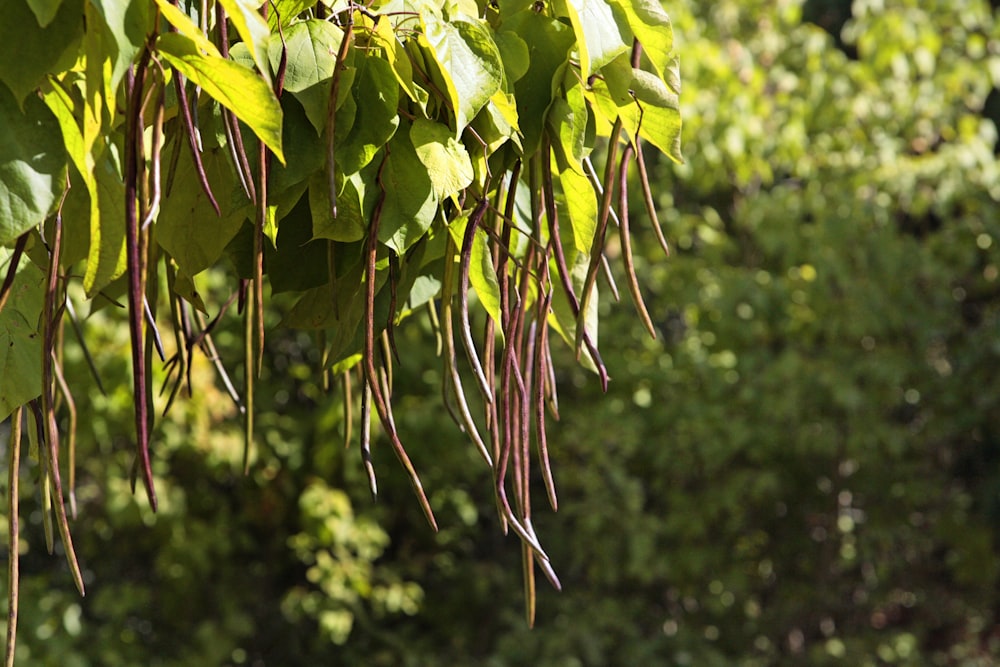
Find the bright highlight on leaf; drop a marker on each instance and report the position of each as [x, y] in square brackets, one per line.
[445, 159]
[469, 62]
[242, 92]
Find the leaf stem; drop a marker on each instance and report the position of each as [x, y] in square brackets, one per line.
[13, 534]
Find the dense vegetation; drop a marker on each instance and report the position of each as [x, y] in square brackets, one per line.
[803, 468]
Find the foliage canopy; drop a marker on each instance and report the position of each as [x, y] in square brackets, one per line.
[357, 163]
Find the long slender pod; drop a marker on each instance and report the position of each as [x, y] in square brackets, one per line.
[647, 194]
[135, 279]
[331, 111]
[13, 533]
[15, 259]
[463, 297]
[552, 216]
[56, 493]
[371, 376]
[366, 437]
[71, 433]
[539, 379]
[597, 249]
[450, 357]
[626, 242]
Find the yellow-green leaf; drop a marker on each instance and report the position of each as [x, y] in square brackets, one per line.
[233, 86]
[600, 38]
[186, 27]
[252, 28]
[445, 158]
[652, 28]
[469, 61]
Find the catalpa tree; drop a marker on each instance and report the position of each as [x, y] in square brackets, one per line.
[370, 160]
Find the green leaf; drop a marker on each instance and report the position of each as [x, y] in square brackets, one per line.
[376, 95]
[125, 28]
[187, 226]
[105, 191]
[662, 128]
[647, 107]
[304, 152]
[581, 203]
[298, 262]
[469, 62]
[652, 28]
[649, 88]
[20, 340]
[549, 42]
[445, 158]
[496, 126]
[311, 55]
[188, 28]
[337, 305]
[425, 288]
[253, 30]
[395, 54]
[279, 207]
[410, 205]
[515, 55]
[32, 164]
[569, 117]
[351, 221]
[235, 87]
[106, 256]
[28, 51]
[44, 10]
[599, 34]
[286, 11]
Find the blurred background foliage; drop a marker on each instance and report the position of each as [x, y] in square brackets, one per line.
[803, 468]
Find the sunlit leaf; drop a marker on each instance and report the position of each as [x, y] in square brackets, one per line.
[186, 27]
[482, 275]
[444, 158]
[581, 203]
[252, 28]
[652, 28]
[395, 54]
[241, 91]
[286, 11]
[311, 54]
[600, 38]
[469, 61]
[569, 117]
